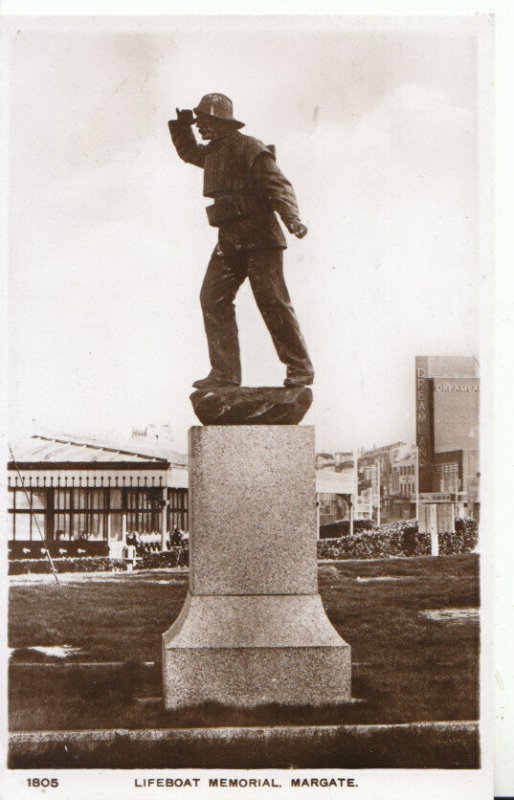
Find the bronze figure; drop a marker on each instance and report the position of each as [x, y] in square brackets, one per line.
[242, 178]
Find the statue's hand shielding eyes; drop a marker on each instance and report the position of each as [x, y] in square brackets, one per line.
[185, 116]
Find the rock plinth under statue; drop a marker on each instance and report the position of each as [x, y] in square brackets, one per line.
[253, 628]
[246, 405]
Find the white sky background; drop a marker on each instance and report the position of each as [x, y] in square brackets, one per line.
[375, 127]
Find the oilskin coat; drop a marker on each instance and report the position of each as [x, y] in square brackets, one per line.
[247, 187]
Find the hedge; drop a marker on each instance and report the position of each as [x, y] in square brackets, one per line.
[464, 540]
[399, 539]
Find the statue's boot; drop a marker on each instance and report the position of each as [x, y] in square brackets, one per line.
[213, 382]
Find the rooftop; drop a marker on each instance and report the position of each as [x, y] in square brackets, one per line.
[73, 449]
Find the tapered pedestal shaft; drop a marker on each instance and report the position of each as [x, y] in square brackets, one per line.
[253, 629]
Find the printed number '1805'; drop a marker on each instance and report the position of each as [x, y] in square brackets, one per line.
[42, 783]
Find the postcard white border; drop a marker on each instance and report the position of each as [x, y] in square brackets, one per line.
[378, 783]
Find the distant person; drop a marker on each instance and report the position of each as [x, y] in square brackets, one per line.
[176, 537]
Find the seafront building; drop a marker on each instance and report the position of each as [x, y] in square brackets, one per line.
[447, 436]
[81, 496]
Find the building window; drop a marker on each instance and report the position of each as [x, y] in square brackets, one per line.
[28, 514]
[89, 499]
[87, 526]
[115, 499]
[144, 510]
[177, 509]
[80, 514]
[325, 503]
[448, 477]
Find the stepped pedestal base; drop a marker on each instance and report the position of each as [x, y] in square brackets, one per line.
[253, 629]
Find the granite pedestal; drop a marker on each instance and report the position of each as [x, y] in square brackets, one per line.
[253, 628]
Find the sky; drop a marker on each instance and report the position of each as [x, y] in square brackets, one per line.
[375, 123]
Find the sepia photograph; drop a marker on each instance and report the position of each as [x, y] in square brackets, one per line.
[249, 434]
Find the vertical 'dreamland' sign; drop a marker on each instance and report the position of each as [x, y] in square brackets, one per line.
[424, 423]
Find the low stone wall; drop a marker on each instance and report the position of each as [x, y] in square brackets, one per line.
[176, 557]
[443, 745]
[24, 566]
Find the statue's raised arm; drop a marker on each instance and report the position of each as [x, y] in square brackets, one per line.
[184, 140]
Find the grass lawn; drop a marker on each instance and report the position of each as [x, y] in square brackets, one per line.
[407, 667]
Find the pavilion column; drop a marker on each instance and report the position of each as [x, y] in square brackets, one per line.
[164, 520]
